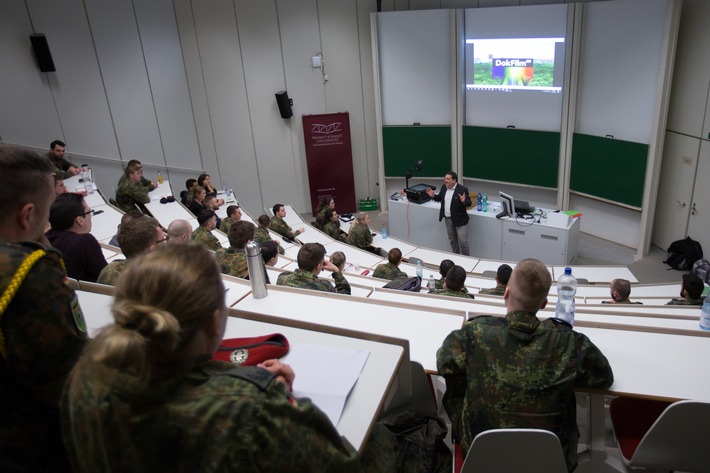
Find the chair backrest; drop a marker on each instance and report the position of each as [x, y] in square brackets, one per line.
[414, 260]
[677, 440]
[515, 451]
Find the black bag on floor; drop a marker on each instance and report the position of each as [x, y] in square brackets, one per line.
[683, 253]
[405, 283]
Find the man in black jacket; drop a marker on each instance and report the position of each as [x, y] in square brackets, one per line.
[454, 199]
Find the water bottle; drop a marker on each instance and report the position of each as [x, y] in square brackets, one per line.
[160, 178]
[566, 289]
[420, 270]
[432, 283]
[479, 205]
[384, 232]
[705, 314]
[485, 203]
[257, 272]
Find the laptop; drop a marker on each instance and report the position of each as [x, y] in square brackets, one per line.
[523, 207]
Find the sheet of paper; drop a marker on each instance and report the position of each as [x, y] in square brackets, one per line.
[326, 375]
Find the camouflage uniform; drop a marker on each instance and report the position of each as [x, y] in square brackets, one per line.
[44, 334]
[144, 182]
[308, 280]
[446, 292]
[439, 283]
[360, 235]
[203, 237]
[110, 273]
[261, 235]
[233, 261]
[499, 290]
[213, 418]
[518, 372]
[282, 228]
[224, 226]
[332, 229]
[129, 193]
[61, 166]
[388, 271]
[684, 301]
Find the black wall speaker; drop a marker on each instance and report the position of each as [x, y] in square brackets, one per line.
[284, 104]
[41, 49]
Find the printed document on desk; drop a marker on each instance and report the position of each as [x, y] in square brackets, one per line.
[327, 391]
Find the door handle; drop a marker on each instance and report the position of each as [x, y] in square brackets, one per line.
[682, 204]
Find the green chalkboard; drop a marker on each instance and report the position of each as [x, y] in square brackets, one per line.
[609, 168]
[402, 146]
[511, 155]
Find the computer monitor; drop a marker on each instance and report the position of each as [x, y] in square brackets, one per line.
[508, 204]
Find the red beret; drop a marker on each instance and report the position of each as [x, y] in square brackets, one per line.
[252, 351]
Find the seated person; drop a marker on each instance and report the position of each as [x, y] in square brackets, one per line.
[210, 203]
[204, 181]
[59, 187]
[325, 204]
[125, 218]
[444, 268]
[390, 270]
[179, 232]
[147, 397]
[149, 185]
[538, 364]
[502, 277]
[63, 169]
[270, 255]
[311, 261]
[202, 235]
[280, 226]
[70, 219]
[234, 214]
[360, 236]
[691, 291]
[197, 205]
[186, 195]
[261, 233]
[454, 284]
[233, 260]
[338, 259]
[620, 292]
[136, 237]
[130, 192]
[331, 227]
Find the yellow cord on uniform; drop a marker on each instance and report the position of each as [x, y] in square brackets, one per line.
[14, 285]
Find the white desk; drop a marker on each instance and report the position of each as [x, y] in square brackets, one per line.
[669, 290]
[355, 256]
[389, 243]
[505, 239]
[434, 258]
[168, 212]
[424, 328]
[597, 274]
[105, 224]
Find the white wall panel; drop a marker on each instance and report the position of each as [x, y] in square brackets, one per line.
[118, 48]
[77, 85]
[611, 222]
[28, 115]
[168, 82]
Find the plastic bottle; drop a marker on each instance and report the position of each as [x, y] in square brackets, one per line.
[566, 289]
[420, 270]
[485, 203]
[705, 314]
[160, 178]
[479, 205]
[257, 272]
[432, 283]
[384, 232]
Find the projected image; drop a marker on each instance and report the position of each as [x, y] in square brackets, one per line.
[514, 63]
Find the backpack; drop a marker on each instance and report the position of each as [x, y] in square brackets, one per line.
[683, 253]
[701, 269]
[405, 283]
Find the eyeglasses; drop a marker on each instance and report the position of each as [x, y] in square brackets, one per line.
[92, 212]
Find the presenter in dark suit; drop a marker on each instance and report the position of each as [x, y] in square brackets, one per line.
[454, 199]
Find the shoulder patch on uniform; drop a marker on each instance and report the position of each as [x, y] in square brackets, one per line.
[77, 314]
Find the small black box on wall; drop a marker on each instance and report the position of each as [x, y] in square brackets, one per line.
[41, 49]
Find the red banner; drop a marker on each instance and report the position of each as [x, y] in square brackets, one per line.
[330, 160]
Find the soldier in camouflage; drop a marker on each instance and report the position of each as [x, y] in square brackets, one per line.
[148, 184]
[202, 236]
[42, 329]
[359, 234]
[167, 406]
[502, 277]
[390, 270]
[518, 371]
[691, 291]
[332, 226]
[233, 260]
[444, 268]
[311, 261]
[280, 226]
[454, 284]
[63, 169]
[130, 192]
[136, 237]
[234, 214]
[261, 233]
[620, 290]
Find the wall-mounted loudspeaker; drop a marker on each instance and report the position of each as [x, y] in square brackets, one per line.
[41, 49]
[284, 104]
